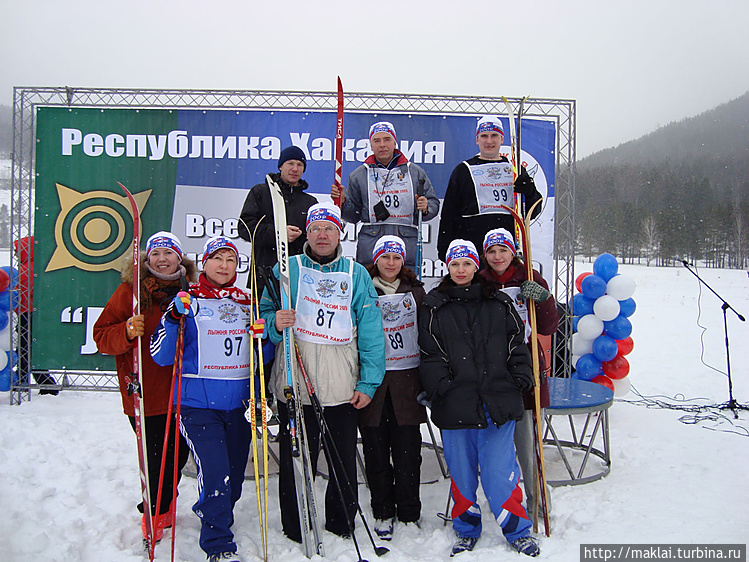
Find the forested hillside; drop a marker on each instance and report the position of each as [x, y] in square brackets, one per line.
[681, 192]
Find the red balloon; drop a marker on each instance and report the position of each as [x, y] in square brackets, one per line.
[625, 346]
[579, 280]
[604, 380]
[617, 368]
[4, 280]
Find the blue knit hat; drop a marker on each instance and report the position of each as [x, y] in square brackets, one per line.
[292, 153]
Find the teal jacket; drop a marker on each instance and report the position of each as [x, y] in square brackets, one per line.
[327, 365]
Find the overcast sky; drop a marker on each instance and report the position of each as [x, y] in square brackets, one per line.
[632, 66]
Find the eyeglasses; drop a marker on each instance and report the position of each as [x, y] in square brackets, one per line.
[327, 229]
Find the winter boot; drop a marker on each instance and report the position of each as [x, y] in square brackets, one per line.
[384, 528]
[526, 545]
[224, 557]
[463, 544]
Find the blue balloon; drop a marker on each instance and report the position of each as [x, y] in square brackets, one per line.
[588, 367]
[605, 348]
[5, 380]
[8, 300]
[582, 305]
[605, 267]
[619, 328]
[627, 307]
[593, 287]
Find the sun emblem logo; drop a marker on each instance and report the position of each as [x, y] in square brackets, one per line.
[344, 287]
[93, 230]
[408, 303]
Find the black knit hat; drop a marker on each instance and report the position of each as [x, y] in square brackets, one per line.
[292, 153]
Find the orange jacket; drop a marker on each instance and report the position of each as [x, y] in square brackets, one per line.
[110, 336]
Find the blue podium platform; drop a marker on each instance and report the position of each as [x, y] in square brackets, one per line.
[585, 405]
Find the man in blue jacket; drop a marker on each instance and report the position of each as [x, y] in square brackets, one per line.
[338, 329]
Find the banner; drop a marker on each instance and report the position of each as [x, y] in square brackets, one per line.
[190, 171]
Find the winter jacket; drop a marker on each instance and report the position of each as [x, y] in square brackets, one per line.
[198, 391]
[404, 385]
[336, 371]
[258, 205]
[473, 356]
[460, 216]
[110, 333]
[547, 319]
[356, 208]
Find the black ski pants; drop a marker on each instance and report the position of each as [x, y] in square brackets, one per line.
[341, 421]
[154, 434]
[394, 488]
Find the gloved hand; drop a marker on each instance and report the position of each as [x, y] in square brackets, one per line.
[181, 305]
[423, 399]
[523, 381]
[524, 183]
[532, 290]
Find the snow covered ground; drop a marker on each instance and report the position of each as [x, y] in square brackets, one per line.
[70, 482]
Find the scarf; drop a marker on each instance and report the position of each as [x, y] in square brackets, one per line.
[207, 290]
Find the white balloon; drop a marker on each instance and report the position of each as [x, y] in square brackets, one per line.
[621, 386]
[3, 359]
[590, 327]
[581, 345]
[621, 287]
[606, 308]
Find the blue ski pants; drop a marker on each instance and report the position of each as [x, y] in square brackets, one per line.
[493, 451]
[220, 443]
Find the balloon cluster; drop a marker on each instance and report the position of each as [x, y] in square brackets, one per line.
[8, 303]
[602, 330]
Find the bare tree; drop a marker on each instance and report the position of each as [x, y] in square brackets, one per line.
[650, 238]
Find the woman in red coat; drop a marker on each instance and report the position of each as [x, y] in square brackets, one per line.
[116, 333]
[509, 274]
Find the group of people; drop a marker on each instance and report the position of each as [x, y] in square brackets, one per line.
[375, 346]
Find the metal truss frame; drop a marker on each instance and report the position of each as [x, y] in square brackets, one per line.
[562, 112]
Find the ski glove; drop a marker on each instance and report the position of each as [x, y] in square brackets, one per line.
[524, 183]
[523, 382]
[181, 305]
[534, 291]
[423, 399]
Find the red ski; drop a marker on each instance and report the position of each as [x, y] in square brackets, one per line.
[135, 386]
[338, 179]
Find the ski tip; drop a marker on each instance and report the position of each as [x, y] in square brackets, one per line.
[381, 550]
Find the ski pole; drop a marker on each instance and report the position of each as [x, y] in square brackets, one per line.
[325, 430]
[379, 550]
